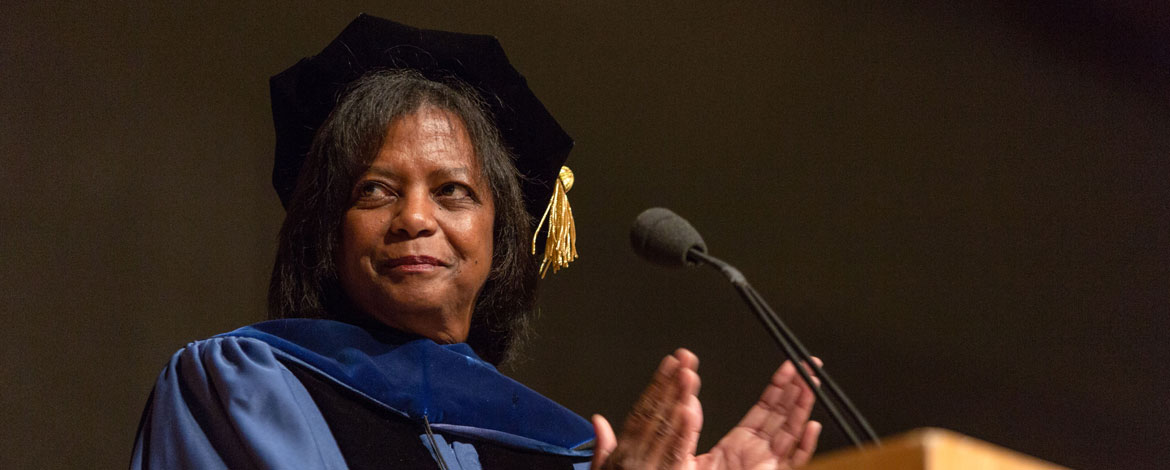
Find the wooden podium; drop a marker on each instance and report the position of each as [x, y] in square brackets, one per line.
[930, 449]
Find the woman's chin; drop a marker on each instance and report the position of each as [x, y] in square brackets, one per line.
[427, 321]
[442, 335]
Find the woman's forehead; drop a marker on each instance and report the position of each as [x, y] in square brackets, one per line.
[429, 136]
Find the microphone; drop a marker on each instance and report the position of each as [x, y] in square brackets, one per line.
[664, 238]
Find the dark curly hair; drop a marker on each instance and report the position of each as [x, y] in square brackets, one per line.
[304, 279]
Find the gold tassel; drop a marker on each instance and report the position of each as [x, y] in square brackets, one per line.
[561, 245]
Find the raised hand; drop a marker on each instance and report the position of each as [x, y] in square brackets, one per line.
[663, 429]
[775, 433]
[662, 432]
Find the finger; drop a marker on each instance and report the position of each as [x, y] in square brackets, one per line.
[687, 359]
[760, 412]
[685, 416]
[779, 406]
[651, 423]
[650, 407]
[679, 445]
[782, 444]
[692, 428]
[808, 368]
[808, 444]
[800, 411]
[661, 454]
[815, 360]
[689, 422]
[785, 374]
[669, 440]
[786, 430]
[606, 441]
[780, 427]
[693, 382]
[812, 373]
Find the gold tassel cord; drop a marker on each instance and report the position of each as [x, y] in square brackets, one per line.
[561, 245]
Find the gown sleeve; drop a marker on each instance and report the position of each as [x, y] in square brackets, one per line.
[227, 402]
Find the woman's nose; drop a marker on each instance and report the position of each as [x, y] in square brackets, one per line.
[415, 217]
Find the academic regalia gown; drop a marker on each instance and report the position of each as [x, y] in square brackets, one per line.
[322, 394]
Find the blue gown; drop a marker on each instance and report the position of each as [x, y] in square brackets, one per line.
[322, 394]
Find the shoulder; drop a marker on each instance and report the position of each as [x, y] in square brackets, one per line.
[227, 402]
[243, 352]
[229, 377]
[221, 359]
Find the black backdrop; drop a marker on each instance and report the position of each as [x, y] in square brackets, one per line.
[961, 206]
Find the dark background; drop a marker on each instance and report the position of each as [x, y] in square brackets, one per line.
[963, 207]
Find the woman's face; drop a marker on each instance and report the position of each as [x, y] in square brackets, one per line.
[416, 241]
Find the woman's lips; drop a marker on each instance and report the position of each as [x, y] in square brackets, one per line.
[412, 264]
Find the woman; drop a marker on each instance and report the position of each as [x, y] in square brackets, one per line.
[403, 275]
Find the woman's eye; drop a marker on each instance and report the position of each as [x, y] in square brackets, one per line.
[371, 190]
[455, 190]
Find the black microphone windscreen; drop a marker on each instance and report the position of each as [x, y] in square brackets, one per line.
[662, 237]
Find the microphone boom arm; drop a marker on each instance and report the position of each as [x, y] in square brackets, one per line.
[793, 349]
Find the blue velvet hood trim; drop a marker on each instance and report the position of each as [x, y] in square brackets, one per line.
[456, 390]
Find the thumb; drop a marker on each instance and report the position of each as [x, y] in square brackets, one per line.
[606, 441]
